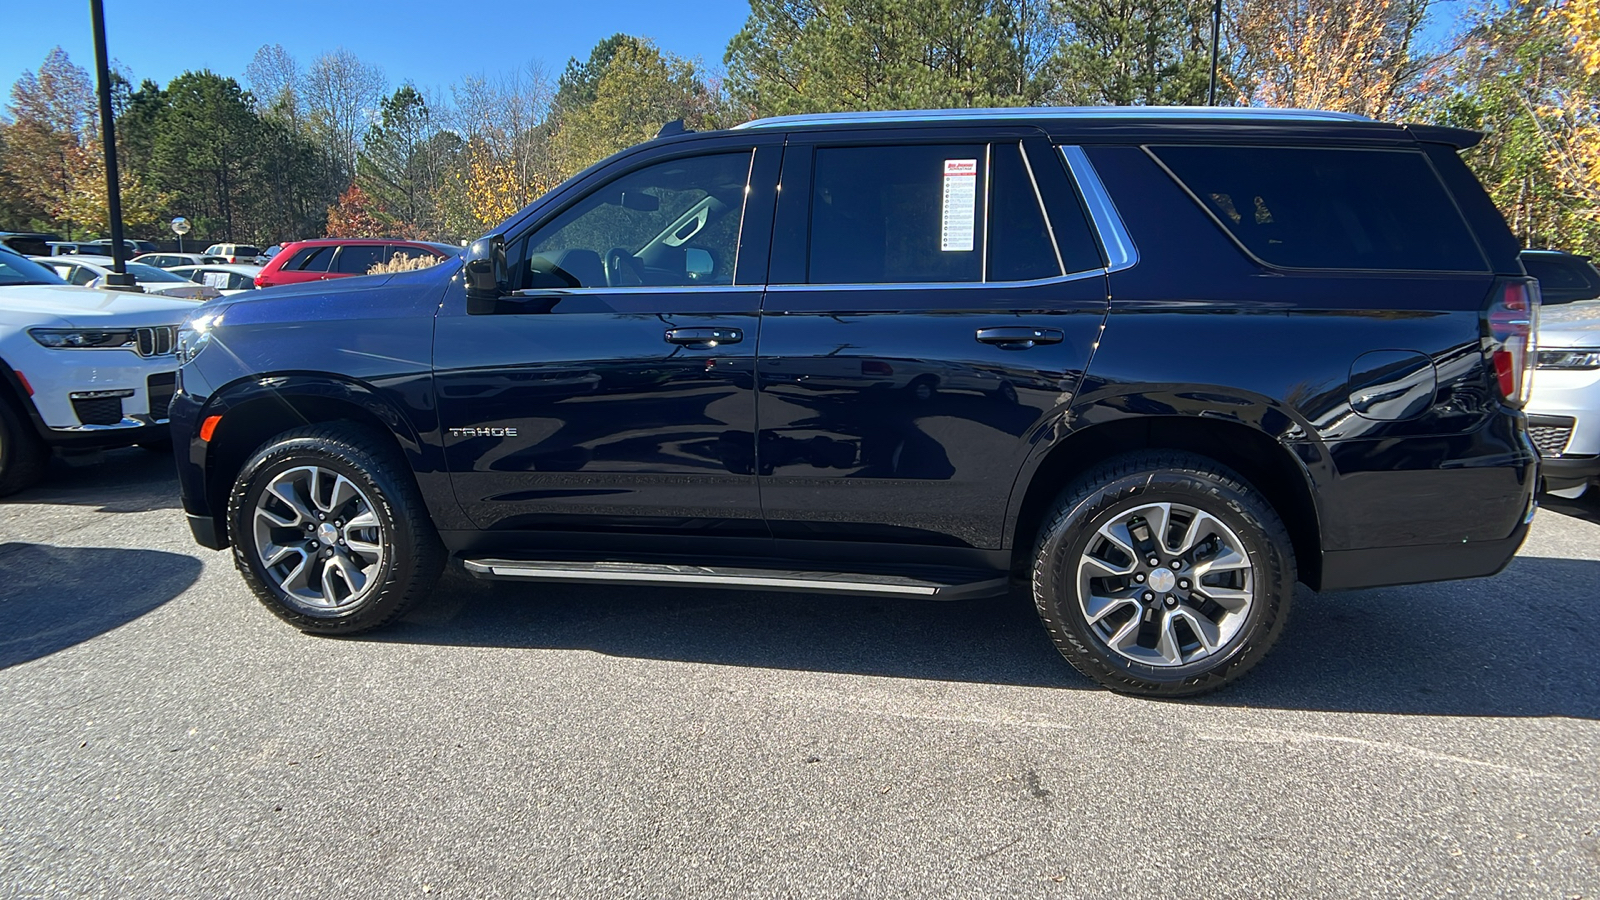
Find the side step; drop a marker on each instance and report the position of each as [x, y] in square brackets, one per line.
[946, 586]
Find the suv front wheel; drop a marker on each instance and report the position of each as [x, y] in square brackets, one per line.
[1163, 574]
[330, 531]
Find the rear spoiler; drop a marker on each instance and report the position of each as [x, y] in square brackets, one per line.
[1459, 138]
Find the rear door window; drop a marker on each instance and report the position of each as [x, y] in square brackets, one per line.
[312, 259]
[884, 215]
[1020, 248]
[356, 259]
[1321, 208]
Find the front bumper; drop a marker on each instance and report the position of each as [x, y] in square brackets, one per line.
[1560, 473]
[97, 398]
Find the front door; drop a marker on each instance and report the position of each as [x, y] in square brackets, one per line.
[614, 389]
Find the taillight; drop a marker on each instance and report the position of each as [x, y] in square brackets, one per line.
[1513, 328]
[258, 281]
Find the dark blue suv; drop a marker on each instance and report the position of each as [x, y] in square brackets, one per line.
[1158, 365]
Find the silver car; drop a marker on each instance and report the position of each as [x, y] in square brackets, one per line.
[1564, 412]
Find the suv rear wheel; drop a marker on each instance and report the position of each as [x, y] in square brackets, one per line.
[1163, 574]
[330, 532]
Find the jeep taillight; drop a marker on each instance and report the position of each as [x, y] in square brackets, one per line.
[1513, 327]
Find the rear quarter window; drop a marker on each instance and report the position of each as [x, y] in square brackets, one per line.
[1563, 279]
[1325, 208]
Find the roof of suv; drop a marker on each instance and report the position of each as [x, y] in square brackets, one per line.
[1034, 113]
[1118, 118]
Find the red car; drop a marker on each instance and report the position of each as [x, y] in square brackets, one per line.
[326, 258]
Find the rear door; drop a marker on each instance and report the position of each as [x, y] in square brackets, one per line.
[926, 316]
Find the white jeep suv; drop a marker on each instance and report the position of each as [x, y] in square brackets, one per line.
[80, 369]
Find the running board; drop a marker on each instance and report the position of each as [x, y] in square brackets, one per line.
[954, 586]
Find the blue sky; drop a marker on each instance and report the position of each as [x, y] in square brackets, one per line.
[430, 44]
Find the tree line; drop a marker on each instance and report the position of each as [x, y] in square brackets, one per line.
[298, 149]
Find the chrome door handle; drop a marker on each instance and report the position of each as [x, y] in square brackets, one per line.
[703, 338]
[1019, 337]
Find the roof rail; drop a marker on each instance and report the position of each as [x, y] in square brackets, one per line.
[1193, 113]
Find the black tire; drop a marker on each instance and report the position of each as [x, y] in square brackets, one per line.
[23, 456]
[413, 555]
[1110, 491]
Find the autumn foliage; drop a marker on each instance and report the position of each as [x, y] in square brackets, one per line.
[355, 215]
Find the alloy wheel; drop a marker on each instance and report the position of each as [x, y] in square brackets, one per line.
[319, 539]
[1165, 584]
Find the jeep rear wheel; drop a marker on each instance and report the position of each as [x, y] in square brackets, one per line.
[330, 531]
[1163, 574]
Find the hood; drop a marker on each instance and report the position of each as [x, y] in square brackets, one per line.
[187, 291]
[1570, 325]
[90, 307]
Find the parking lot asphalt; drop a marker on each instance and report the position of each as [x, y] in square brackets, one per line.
[161, 734]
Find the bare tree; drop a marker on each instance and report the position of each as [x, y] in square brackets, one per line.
[275, 82]
[342, 94]
[505, 123]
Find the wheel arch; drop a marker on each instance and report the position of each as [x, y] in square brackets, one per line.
[13, 392]
[255, 409]
[1283, 477]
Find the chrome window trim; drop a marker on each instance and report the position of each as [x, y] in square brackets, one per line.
[635, 289]
[898, 285]
[1120, 250]
[1161, 113]
[939, 285]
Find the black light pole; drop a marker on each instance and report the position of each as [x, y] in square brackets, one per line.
[1216, 37]
[119, 276]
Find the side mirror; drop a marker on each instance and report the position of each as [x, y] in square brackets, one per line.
[487, 276]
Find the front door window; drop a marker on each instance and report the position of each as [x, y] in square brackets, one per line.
[672, 224]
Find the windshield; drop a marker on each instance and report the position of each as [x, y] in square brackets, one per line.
[142, 272]
[15, 269]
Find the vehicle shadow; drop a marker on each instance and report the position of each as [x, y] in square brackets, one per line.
[54, 597]
[128, 480]
[1586, 507]
[1520, 644]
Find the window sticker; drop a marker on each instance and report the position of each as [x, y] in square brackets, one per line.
[960, 209]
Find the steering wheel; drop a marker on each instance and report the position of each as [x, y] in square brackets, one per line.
[622, 268]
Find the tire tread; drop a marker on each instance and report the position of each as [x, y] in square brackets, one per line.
[1091, 484]
[372, 453]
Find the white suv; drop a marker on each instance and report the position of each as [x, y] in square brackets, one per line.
[80, 369]
[1564, 410]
